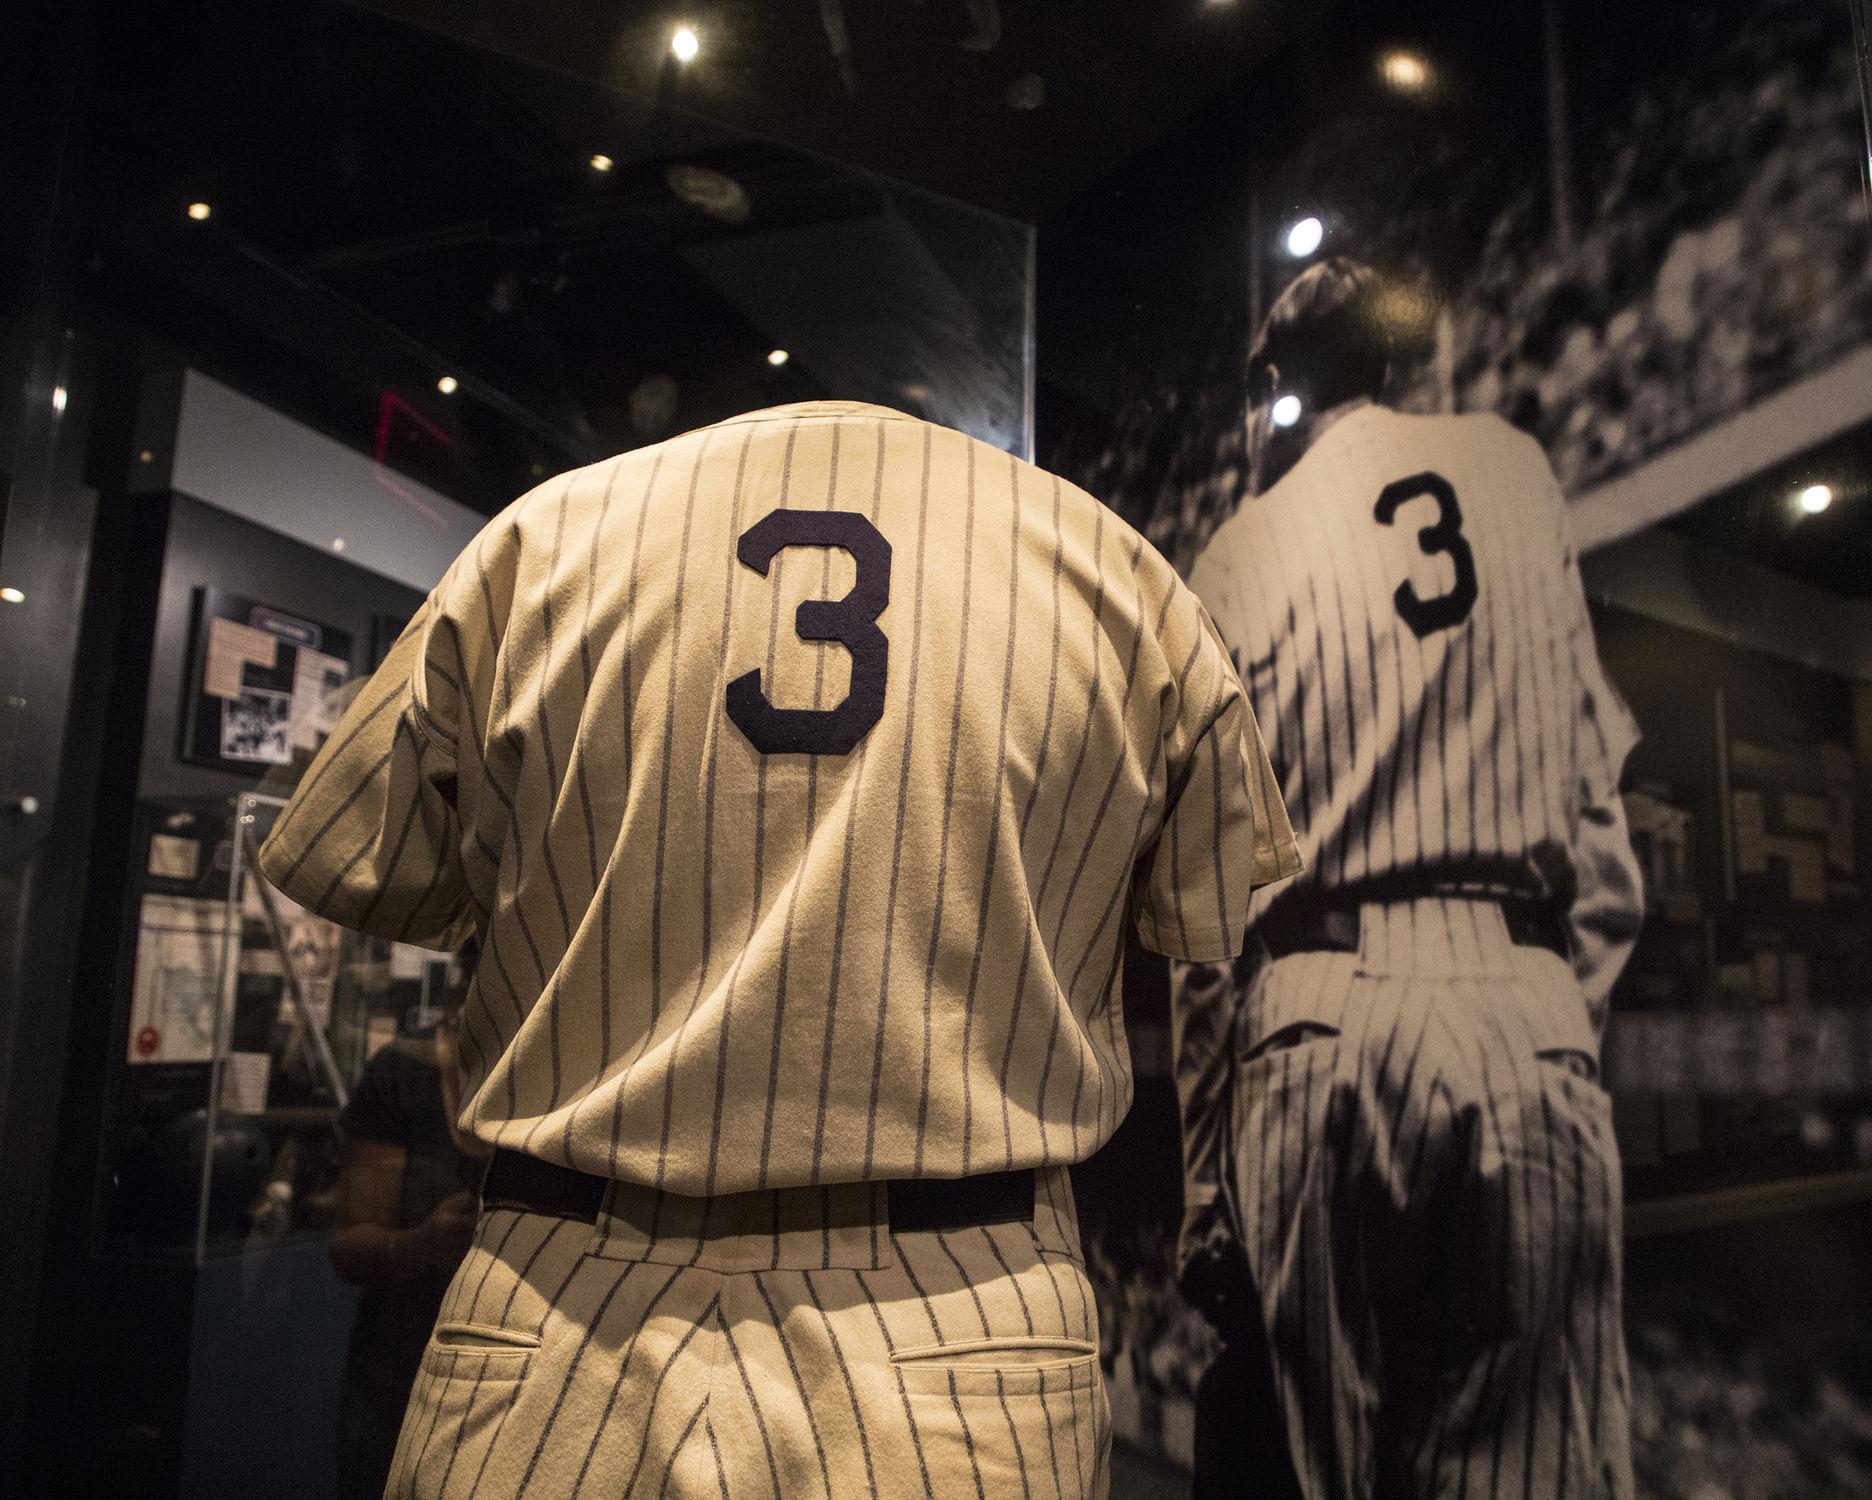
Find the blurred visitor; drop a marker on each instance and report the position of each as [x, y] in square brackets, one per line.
[408, 1181]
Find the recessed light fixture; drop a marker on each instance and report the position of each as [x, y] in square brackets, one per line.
[1286, 411]
[685, 44]
[602, 163]
[199, 211]
[1405, 71]
[447, 385]
[338, 544]
[778, 358]
[12, 596]
[1816, 498]
[59, 397]
[1303, 237]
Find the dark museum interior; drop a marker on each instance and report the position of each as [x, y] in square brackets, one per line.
[301, 298]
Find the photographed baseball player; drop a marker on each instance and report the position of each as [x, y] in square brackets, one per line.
[800, 776]
[1391, 1106]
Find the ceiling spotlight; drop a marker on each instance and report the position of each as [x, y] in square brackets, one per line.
[447, 384]
[1286, 411]
[338, 544]
[1304, 236]
[12, 596]
[778, 358]
[1816, 498]
[685, 44]
[602, 163]
[59, 397]
[1406, 72]
[199, 211]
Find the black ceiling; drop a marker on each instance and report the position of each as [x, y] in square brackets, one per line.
[406, 185]
[1014, 105]
[404, 189]
[390, 203]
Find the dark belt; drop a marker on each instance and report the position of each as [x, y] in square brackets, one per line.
[1332, 926]
[516, 1180]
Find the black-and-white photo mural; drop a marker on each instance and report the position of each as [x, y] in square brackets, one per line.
[1502, 383]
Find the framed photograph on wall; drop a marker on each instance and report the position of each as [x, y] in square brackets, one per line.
[262, 683]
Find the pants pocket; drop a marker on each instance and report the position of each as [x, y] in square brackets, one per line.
[1010, 1417]
[478, 1352]
[998, 1367]
[469, 1385]
[1293, 1034]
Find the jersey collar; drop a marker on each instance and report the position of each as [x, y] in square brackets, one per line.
[800, 410]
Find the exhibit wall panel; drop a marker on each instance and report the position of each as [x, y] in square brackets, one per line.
[209, 548]
[239, 455]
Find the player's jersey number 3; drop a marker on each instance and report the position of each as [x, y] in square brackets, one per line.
[851, 621]
[1440, 611]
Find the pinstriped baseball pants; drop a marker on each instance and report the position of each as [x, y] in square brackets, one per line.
[1429, 1194]
[765, 1344]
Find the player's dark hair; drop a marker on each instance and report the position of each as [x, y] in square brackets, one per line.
[1325, 339]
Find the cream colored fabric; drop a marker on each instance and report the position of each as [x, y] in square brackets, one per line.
[713, 968]
[648, 1357]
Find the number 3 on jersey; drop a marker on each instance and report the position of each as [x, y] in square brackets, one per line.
[851, 621]
[1439, 611]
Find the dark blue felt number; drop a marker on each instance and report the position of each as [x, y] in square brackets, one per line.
[851, 621]
[1439, 611]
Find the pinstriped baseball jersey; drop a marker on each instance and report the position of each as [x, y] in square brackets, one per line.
[800, 775]
[1405, 609]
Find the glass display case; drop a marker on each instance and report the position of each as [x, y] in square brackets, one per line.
[250, 1022]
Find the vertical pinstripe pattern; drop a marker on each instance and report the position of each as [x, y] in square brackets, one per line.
[957, 698]
[1427, 1194]
[903, 809]
[715, 969]
[560, 1370]
[1473, 757]
[1433, 1091]
[844, 885]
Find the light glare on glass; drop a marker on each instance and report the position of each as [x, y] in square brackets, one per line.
[685, 44]
[1304, 237]
[778, 358]
[1816, 498]
[447, 384]
[1286, 411]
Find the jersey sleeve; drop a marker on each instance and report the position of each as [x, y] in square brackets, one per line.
[1225, 832]
[371, 838]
